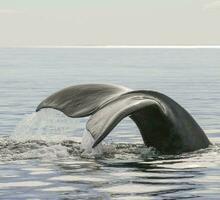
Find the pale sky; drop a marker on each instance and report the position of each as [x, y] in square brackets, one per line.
[109, 22]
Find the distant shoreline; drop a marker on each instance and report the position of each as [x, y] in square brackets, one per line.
[120, 47]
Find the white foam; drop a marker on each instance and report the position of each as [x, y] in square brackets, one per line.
[51, 152]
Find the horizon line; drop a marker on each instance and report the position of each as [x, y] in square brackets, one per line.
[115, 46]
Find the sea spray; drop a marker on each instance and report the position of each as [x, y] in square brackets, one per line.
[47, 124]
[42, 135]
[86, 145]
[49, 134]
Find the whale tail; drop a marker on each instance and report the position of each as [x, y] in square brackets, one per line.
[162, 122]
[82, 100]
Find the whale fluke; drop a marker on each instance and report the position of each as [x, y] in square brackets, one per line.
[162, 122]
[113, 113]
[82, 100]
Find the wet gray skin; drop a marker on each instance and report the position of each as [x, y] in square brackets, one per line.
[162, 122]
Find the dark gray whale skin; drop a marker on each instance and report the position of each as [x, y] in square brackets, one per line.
[162, 122]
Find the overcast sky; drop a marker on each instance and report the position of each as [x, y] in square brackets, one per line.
[109, 22]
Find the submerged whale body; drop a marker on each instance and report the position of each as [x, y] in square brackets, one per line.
[162, 122]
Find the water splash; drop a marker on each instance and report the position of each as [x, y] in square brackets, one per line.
[48, 125]
[49, 134]
[87, 142]
[103, 148]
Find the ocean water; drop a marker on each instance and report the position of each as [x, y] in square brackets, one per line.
[46, 155]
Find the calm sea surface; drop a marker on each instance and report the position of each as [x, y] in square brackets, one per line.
[40, 153]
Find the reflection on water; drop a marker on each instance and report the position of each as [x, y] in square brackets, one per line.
[43, 157]
[168, 177]
[190, 175]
